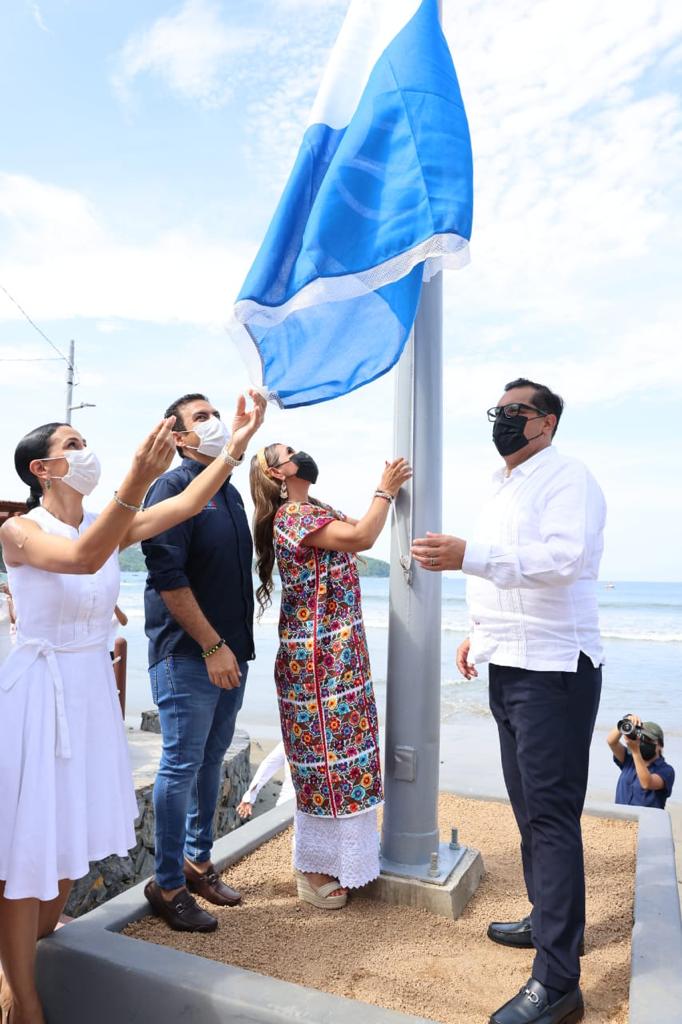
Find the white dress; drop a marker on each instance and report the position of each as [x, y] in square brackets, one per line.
[346, 848]
[66, 791]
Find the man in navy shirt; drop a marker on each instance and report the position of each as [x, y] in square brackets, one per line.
[199, 620]
[646, 778]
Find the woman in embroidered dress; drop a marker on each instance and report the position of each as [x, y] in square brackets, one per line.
[67, 791]
[324, 686]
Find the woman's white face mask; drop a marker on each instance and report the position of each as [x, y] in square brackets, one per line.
[84, 470]
[213, 436]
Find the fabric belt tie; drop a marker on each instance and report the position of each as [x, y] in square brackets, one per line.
[25, 653]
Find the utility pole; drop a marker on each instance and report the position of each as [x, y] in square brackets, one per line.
[70, 374]
[69, 380]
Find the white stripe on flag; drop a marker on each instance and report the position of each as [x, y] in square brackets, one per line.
[369, 27]
[437, 253]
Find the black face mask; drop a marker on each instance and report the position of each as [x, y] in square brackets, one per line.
[306, 467]
[647, 749]
[508, 434]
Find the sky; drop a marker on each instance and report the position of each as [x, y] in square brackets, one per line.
[143, 148]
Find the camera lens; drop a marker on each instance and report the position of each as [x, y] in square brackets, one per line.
[626, 726]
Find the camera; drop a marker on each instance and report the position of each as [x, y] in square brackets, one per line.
[628, 728]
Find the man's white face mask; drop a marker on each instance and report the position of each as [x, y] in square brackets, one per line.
[84, 470]
[213, 436]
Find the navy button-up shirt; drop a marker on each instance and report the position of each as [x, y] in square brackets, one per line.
[210, 553]
[629, 791]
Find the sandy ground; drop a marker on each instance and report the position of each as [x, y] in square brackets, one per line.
[489, 786]
[409, 960]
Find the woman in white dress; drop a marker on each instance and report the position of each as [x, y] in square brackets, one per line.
[67, 792]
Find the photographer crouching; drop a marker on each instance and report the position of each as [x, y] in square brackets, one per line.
[646, 778]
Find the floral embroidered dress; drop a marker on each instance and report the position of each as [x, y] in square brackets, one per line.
[324, 687]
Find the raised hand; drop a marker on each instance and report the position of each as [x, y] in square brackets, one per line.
[395, 475]
[155, 454]
[247, 421]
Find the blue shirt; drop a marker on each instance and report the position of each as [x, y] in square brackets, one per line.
[629, 791]
[212, 554]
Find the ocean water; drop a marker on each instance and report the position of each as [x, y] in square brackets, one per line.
[641, 626]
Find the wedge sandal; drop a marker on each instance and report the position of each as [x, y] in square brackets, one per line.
[320, 898]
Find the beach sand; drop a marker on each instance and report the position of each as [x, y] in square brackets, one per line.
[407, 959]
[488, 780]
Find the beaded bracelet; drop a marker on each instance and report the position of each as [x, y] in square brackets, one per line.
[229, 460]
[212, 650]
[126, 506]
[386, 495]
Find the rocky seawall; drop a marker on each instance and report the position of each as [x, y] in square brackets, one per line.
[111, 876]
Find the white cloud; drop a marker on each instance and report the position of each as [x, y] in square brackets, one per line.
[577, 162]
[205, 53]
[645, 362]
[37, 15]
[109, 327]
[61, 258]
[191, 51]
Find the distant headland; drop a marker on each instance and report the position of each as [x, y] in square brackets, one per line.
[132, 560]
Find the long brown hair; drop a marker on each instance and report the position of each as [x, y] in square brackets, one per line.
[266, 499]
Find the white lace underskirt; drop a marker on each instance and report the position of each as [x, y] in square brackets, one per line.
[345, 848]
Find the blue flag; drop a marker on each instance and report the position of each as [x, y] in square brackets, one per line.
[380, 198]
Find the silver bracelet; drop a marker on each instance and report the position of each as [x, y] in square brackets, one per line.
[229, 460]
[386, 495]
[126, 506]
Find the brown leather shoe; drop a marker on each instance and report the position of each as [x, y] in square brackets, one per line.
[182, 913]
[208, 885]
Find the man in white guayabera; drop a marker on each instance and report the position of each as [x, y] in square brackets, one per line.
[532, 595]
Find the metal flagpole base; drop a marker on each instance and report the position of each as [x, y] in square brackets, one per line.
[445, 893]
[443, 863]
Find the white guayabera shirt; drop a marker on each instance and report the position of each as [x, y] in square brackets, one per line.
[533, 565]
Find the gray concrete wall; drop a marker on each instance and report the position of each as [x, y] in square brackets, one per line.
[87, 972]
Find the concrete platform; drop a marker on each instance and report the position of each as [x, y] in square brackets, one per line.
[88, 972]
[447, 900]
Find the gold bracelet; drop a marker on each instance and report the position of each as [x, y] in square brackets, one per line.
[126, 506]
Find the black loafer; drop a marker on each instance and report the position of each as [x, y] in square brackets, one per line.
[518, 934]
[531, 1006]
[512, 933]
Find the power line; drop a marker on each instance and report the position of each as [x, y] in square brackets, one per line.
[35, 326]
[30, 359]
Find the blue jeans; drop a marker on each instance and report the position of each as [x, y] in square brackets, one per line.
[197, 724]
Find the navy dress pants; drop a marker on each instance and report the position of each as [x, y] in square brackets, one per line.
[545, 721]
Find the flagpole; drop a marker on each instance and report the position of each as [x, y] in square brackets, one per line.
[412, 746]
[410, 841]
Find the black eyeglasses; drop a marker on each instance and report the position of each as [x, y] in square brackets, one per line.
[511, 410]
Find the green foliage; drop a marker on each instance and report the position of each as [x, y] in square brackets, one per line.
[132, 560]
[374, 567]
